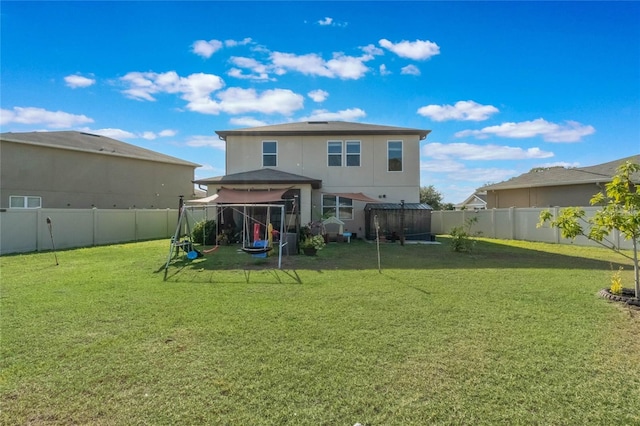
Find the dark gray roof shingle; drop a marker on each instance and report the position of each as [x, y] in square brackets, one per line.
[87, 142]
[261, 176]
[555, 176]
[323, 128]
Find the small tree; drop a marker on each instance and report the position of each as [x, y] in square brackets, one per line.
[430, 195]
[620, 211]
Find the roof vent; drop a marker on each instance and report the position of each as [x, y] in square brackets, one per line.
[90, 134]
[318, 122]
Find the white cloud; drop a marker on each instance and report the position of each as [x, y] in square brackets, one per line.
[206, 141]
[445, 165]
[6, 116]
[233, 43]
[124, 134]
[318, 95]
[258, 70]
[344, 115]
[196, 88]
[340, 66]
[455, 171]
[205, 167]
[109, 132]
[167, 133]
[330, 22]
[384, 70]
[309, 64]
[50, 119]
[410, 70]
[348, 67]
[275, 101]
[564, 164]
[418, 50]
[570, 131]
[75, 81]
[465, 151]
[462, 110]
[206, 48]
[247, 122]
[372, 50]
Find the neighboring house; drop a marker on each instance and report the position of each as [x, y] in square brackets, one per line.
[554, 186]
[475, 201]
[331, 168]
[70, 169]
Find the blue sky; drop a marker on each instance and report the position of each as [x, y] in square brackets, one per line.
[503, 86]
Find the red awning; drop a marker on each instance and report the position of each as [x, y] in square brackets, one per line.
[358, 196]
[232, 196]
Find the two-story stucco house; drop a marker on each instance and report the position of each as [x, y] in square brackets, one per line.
[332, 168]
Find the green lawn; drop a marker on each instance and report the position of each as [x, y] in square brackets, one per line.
[513, 333]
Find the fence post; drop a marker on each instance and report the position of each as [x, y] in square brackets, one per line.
[512, 222]
[135, 225]
[556, 230]
[94, 237]
[38, 230]
[494, 231]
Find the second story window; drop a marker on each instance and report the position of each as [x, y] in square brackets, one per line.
[353, 154]
[269, 154]
[334, 153]
[394, 156]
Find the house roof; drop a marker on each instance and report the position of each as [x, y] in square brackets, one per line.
[232, 196]
[358, 196]
[87, 142]
[260, 177]
[323, 128]
[556, 176]
[475, 199]
[398, 206]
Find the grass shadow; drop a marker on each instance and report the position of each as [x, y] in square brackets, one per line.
[361, 255]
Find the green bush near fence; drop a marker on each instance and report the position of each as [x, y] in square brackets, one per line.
[204, 232]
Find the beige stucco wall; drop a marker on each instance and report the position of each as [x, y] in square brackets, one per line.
[307, 156]
[549, 196]
[74, 179]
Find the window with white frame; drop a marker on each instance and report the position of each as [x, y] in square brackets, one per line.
[334, 153]
[353, 153]
[340, 207]
[269, 154]
[25, 202]
[343, 154]
[394, 156]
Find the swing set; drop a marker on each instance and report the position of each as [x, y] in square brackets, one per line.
[259, 247]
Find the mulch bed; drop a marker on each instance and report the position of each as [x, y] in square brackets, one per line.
[627, 297]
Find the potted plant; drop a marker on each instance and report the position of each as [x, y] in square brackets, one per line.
[311, 244]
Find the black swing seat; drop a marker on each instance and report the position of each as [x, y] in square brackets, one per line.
[256, 250]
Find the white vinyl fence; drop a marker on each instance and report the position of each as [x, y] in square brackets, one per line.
[515, 224]
[27, 230]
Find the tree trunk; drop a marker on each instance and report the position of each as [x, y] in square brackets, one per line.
[636, 273]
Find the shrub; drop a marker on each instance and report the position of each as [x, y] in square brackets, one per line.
[208, 228]
[461, 237]
[616, 282]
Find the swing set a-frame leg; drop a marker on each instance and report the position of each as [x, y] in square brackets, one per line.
[174, 240]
